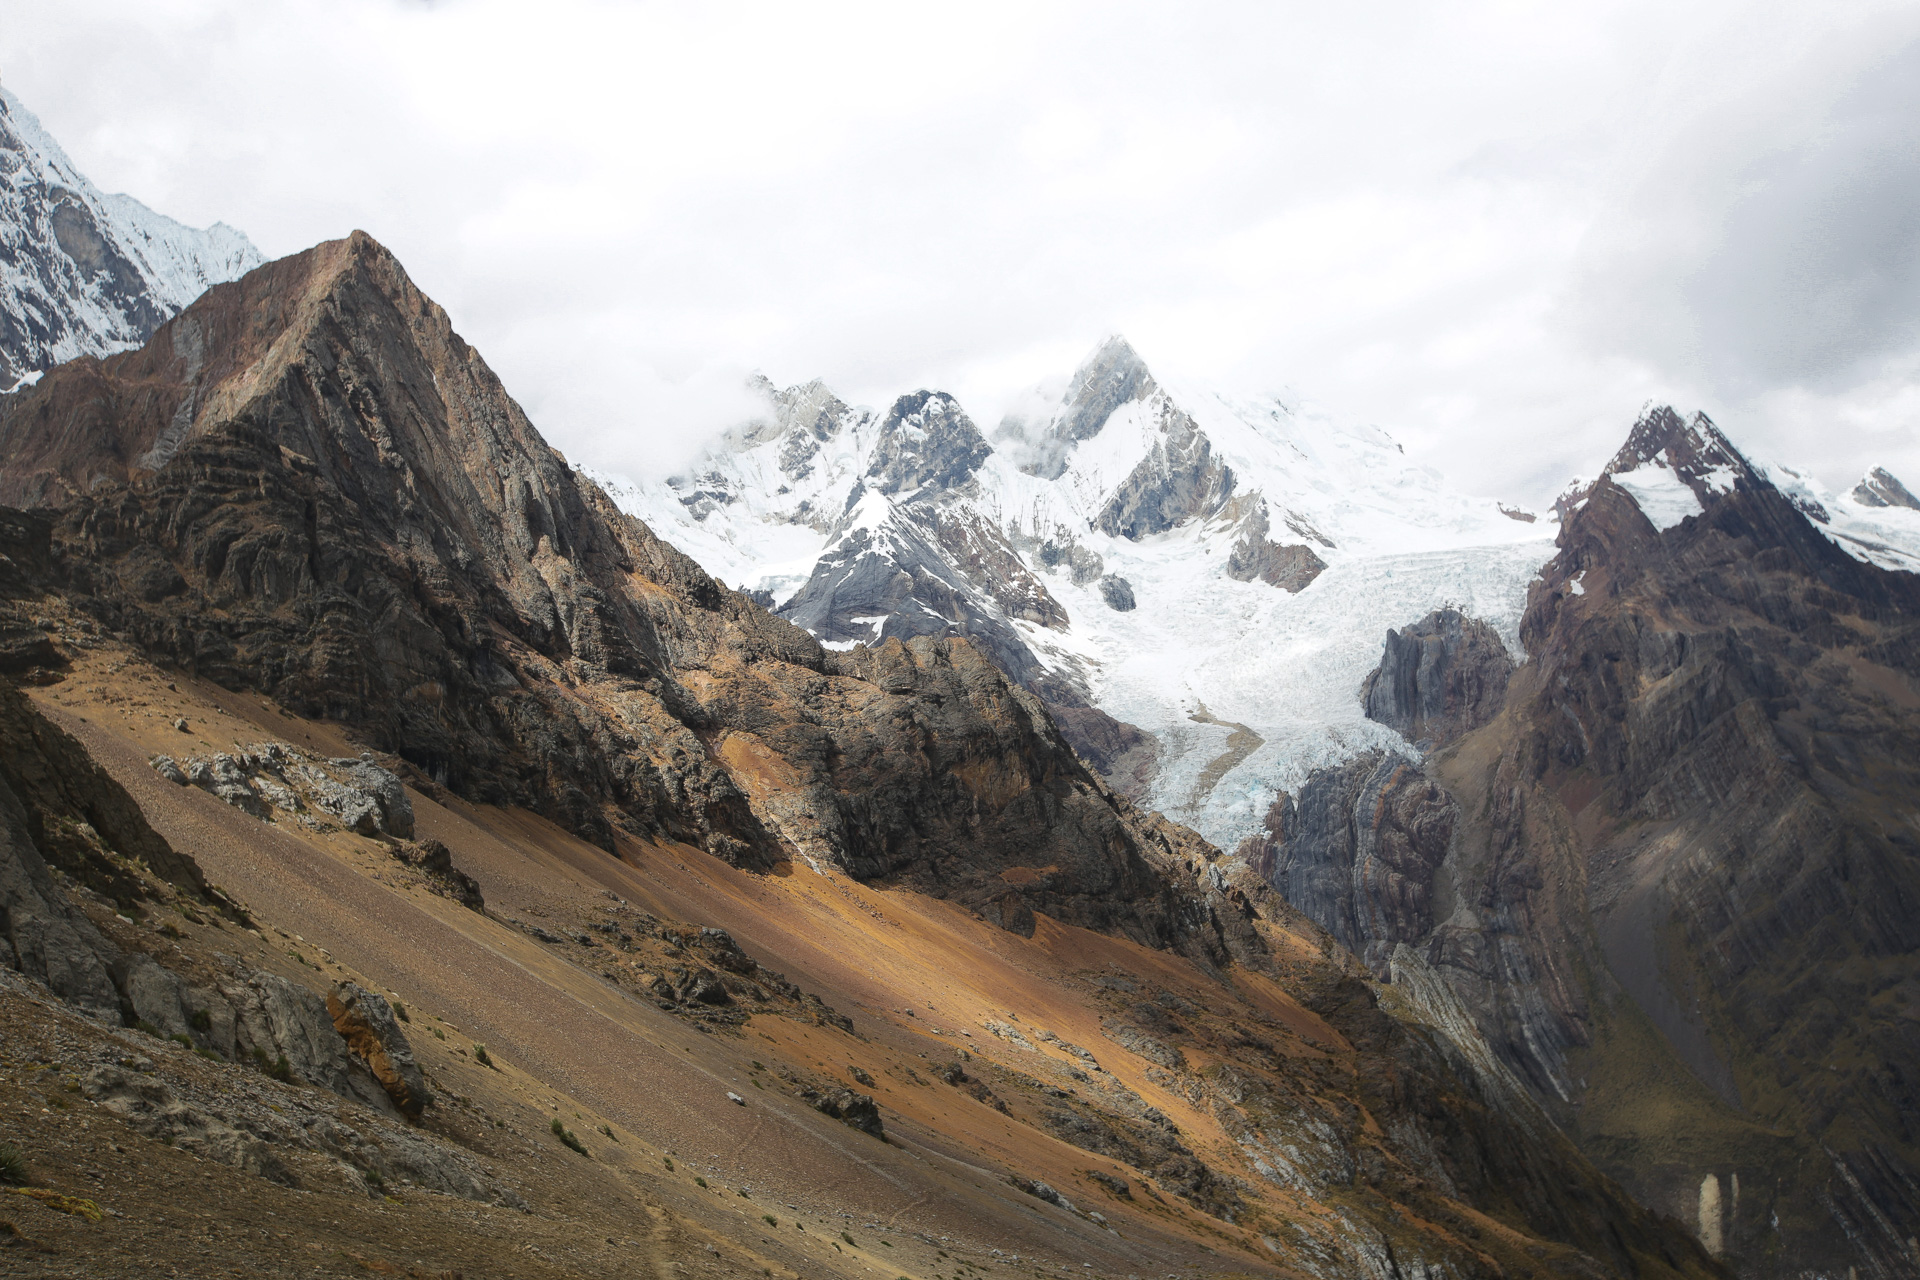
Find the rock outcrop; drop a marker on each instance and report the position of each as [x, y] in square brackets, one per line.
[1881, 488]
[1358, 850]
[1439, 678]
[365, 1021]
[274, 777]
[1255, 555]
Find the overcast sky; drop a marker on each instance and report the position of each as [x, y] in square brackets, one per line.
[1494, 229]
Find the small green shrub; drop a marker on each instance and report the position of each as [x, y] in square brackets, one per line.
[769, 1219]
[373, 1178]
[699, 1182]
[480, 1055]
[667, 1161]
[606, 1131]
[202, 1020]
[438, 1034]
[848, 1239]
[887, 1243]
[744, 1195]
[400, 1011]
[182, 1038]
[566, 1136]
[281, 1070]
[758, 1067]
[13, 1165]
[141, 1024]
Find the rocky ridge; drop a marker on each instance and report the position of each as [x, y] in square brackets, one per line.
[1660, 876]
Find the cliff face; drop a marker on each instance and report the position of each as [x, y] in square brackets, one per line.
[1679, 892]
[1439, 678]
[1357, 852]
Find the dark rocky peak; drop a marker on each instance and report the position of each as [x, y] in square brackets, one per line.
[926, 441]
[1881, 488]
[1112, 376]
[1618, 527]
[1438, 679]
[1694, 448]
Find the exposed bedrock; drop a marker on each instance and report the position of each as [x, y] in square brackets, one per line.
[1680, 889]
[1358, 850]
[1439, 678]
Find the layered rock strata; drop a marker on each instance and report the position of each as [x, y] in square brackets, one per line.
[1439, 678]
[1675, 881]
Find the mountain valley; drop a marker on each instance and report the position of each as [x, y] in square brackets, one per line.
[1166, 834]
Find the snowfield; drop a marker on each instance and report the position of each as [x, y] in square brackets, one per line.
[1245, 686]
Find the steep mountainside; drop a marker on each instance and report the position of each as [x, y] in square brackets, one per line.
[1194, 583]
[1677, 877]
[82, 273]
[307, 504]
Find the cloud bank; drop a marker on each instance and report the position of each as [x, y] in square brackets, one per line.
[1494, 230]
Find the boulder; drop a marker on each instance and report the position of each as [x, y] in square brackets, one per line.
[365, 1020]
[223, 777]
[386, 791]
[856, 1109]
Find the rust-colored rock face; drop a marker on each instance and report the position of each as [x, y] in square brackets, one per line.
[365, 1021]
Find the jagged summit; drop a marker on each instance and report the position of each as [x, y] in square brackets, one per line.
[1675, 468]
[1112, 376]
[86, 273]
[1881, 488]
[1134, 550]
[926, 442]
[1693, 448]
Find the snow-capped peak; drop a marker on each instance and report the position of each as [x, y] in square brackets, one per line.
[87, 273]
[1128, 549]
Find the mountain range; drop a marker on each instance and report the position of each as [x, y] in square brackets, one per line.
[1168, 834]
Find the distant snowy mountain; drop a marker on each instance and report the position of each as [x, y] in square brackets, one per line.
[84, 273]
[1196, 584]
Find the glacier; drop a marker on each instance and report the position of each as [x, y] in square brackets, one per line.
[1217, 571]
